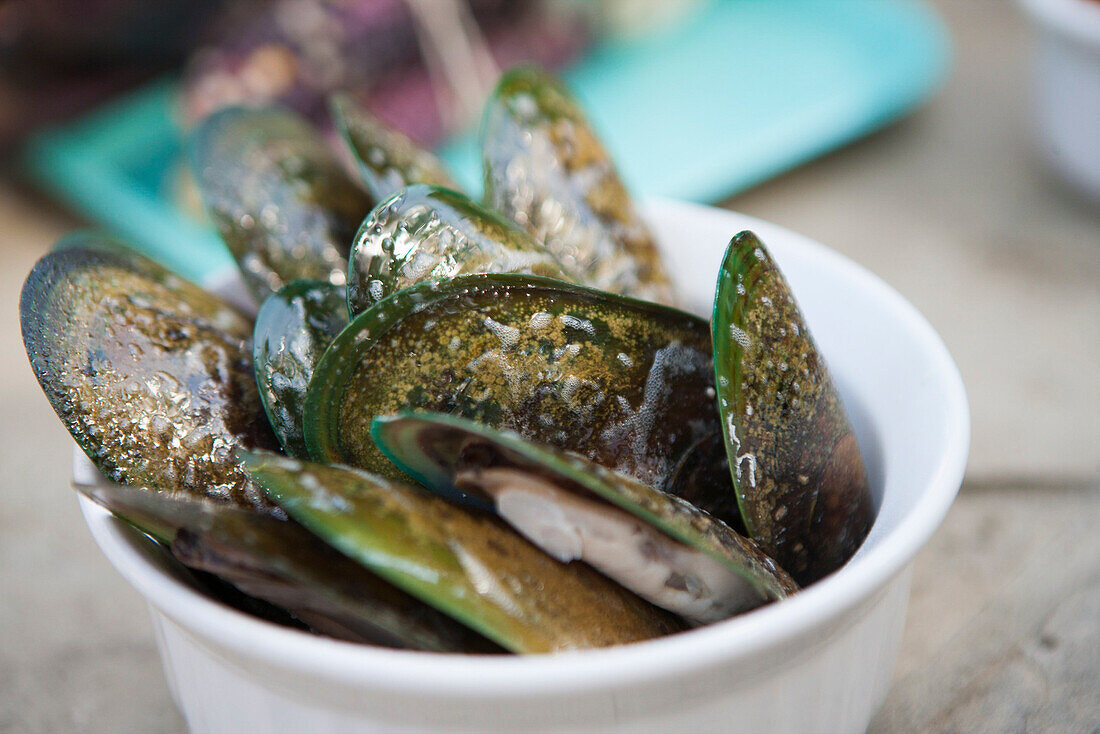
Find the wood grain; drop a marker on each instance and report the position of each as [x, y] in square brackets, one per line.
[1004, 621]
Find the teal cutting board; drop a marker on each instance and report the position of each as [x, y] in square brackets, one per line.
[738, 92]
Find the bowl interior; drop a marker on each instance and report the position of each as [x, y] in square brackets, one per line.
[909, 410]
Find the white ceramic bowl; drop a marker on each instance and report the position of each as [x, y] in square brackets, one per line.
[1067, 87]
[820, 661]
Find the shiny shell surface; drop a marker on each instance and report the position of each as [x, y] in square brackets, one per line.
[388, 159]
[433, 448]
[293, 329]
[151, 375]
[429, 233]
[546, 170]
[625, 383]
[278, 196]
[284, 564]
[466, 564]
[794, 458]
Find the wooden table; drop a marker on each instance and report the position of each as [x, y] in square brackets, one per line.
[949, 206]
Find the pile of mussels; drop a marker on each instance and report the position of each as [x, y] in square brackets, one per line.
[463, 427]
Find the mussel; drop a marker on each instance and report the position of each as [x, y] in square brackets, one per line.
[282, 564]
[388, 160]
[793, 456]
[278, 196]
[546, 169]
[657, 545]
[293, 329]
[151, 375]
[625, 383]
[465, 564]
[429, 233]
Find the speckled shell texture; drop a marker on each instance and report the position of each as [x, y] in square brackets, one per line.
[151, 375]
[625, 383]
[430, 233]
[278, 196]
[546, 170]
[794, 458]
[464, 563]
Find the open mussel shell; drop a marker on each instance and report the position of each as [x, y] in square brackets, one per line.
[293, 329]
[546, 170]
[151, 374]
[283, 564]
[625, 383]
[430, 233]
[465, 564]
[278, 196]
[655, 544]
[388, 159]
[794, 458]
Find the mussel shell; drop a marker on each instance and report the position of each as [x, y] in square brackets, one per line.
[429, 233]
[151, 375]
[701, 477]
[433, 448]
[293, 329]
[465, 564]
[625, 383]
[283, 564]
[388, 159]
[795, 461]
[546, 170]
[278, 196]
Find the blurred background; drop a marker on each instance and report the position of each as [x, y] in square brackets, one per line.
[952, 147]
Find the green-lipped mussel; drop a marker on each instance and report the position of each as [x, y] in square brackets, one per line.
[603, 469]
[293, 329]
[659, 546]
[278, 196]
[428, 233]
[464, 563]
[388, 160]
[796, 465]
[546, 170]
[151, 375]
[283, 564]
[625, 383]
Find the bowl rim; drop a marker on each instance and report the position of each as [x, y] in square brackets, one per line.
[420, 673]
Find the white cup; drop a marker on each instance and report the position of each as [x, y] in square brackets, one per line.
[1066, 82]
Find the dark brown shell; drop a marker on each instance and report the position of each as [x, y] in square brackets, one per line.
[278, 196]
[795, 461]
[627, 384]
[151, 375]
